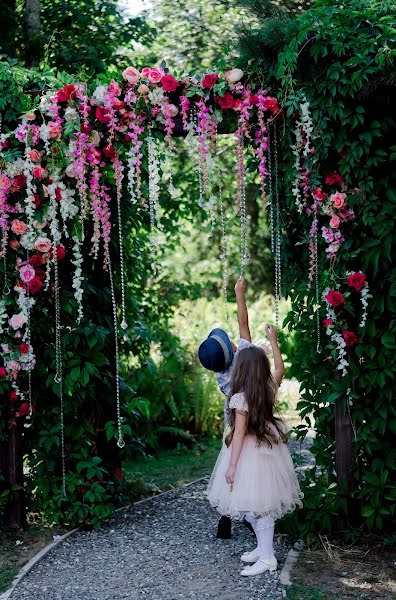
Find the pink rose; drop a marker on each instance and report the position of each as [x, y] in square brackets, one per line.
[30, 116]
[18, 227]
[338, 200]
[146, 72]
[114, 88]
[155, 75]
[55, 130]
[34, 155]
[13, 365]
[27, 273]
[143, 89]
[233, 75]
[131, 75]
[6, 349]
[169, 110]
[237, 104]
[169, 83]
[14, 244]
[335, 222]
[42, 244]
[17, 321]
[40, 172]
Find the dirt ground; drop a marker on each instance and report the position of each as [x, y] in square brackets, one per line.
[353, 573]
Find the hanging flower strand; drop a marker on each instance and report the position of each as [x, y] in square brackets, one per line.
[262, 144]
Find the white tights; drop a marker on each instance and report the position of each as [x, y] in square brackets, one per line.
[264, 529]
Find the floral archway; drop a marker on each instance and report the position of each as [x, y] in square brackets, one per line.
[77, 156]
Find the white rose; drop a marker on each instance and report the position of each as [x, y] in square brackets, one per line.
[233, 75]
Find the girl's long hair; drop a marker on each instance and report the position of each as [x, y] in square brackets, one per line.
[252, 376]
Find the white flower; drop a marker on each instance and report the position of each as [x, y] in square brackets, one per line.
[156, 96]
[99, 94]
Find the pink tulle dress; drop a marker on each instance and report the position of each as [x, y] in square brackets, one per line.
[265, 480]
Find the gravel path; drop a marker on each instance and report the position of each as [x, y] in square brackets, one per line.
[162, 549]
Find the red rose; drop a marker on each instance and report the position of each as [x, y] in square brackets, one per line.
[35, 285]
[24, 348]
[36, 260]
[101, 115]
[60, 252]
[85, 128]
[357, 281]
[118, 473]
[334, 179]
[319, 194]
[58, 194]
[40, 274]
[66, 93]
[210, 80]
[3, 372]
[37, 200]
[236, 105]
[24, 410]
[14, 397]
[335, 298]
[272, 104]
[351, 339]
[109, 151]
[226, 101]
[254, 99]
[169, 83]
[20, 180]
[328, 322]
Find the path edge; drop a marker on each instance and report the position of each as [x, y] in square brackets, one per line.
[291, 559]
[44, 551]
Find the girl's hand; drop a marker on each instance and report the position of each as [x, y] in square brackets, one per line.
[240, 287]
[230, 474]
[272, 333]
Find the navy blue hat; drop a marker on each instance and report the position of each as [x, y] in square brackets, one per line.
[216, 353]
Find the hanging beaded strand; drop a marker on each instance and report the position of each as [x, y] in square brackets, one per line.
[317, 296]
[242, 203]
[224, 248]
[270, 188]
[59, 369]
[277, 234]
[124, 324]
[120, 442]
[6, 286]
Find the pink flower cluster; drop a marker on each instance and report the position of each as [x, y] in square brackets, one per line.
[261, 139]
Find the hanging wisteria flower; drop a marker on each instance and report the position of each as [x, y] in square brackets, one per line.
[262, 143]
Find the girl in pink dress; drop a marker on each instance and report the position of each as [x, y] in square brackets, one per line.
[254, 475]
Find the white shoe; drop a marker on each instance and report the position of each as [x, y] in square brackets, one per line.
[251, 557]
[260, 566]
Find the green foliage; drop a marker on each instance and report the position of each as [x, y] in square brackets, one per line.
[91, 35]
[342, 57]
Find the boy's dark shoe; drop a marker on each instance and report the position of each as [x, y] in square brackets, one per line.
[224, 528]
[248, 525]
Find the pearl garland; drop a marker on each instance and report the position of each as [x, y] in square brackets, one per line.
[120, 442]
[276, 233]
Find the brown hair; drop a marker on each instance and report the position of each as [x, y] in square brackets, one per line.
[252, 376]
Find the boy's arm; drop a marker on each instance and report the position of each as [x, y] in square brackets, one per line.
[243, 317]
[272, 335]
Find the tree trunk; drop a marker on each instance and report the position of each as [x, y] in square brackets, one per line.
[344, 449]
[8, 27]
[32, 33]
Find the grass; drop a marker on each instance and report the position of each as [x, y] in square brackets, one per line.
[351, 573]
[302, 592]
[18, 547]
[153, 474]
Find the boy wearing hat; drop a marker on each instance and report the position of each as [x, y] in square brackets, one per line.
[217, 354]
